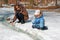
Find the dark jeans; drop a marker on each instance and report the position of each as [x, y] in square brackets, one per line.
[20, 17]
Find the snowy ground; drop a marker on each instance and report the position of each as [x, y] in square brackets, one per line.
[52, 21]
[9, 34]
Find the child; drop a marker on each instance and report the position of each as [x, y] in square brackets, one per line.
[38, 22]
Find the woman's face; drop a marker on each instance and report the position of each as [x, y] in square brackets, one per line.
[18, 8]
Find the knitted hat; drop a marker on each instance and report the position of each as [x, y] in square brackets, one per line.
[37, 12]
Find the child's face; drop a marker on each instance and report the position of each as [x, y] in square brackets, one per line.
[37, 16]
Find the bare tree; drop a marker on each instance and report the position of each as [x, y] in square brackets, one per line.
[56, 2]
[6, 1]
[0, 3]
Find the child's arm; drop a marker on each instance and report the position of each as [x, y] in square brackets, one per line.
[42, 23]
[34, 21]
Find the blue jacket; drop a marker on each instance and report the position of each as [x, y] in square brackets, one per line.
[37, 20]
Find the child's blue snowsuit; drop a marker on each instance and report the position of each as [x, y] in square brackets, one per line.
[38, 22]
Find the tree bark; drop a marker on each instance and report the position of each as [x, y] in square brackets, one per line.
[56, 2]
[0, 3]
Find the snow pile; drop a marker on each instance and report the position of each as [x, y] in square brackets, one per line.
[9, 34]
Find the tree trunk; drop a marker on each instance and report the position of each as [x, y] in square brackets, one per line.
[56, 2]
[6, 1]
[0, 3]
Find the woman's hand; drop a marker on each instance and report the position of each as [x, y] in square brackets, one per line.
[12, 23]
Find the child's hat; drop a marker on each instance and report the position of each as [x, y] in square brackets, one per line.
[37, 12]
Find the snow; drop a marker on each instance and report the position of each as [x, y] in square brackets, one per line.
[52, 21]
[9, 34]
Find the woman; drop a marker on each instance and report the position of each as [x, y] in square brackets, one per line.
[20, 13]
